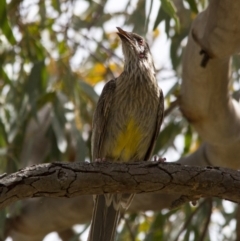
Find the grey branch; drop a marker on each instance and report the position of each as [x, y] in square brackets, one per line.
[205, 100]
[72, 179]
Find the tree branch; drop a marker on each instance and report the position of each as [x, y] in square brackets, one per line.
[72, 179]
[205, 99]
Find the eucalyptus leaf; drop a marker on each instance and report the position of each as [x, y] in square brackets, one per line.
[167, 135]
[170, 9]
[88, 90]
[81, 148]
[193, 5]
[4, 23]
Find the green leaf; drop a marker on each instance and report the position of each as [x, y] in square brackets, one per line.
[62, 47]
[59, 134]
[80, 147]
[58, 124]
[167, 135]
[42, 12]
[35, 83]
[56, 5]
[158, 225]
[89, 18]
[4, 23]
[89, 91]
[176, 49]
[138, 18]
[160, 17]
[156, 231]
[5, 77]
[125, 233]
[54, 152]
[170, 9]
[3, 134]
[187, 140]
[193, 5]
[46, 98]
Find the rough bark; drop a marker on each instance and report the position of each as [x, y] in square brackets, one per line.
[40, 216]
[72, 179]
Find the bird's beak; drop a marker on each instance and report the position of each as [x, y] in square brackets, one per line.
[125, 37]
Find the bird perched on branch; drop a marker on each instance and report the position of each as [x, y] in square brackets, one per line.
[126, 125]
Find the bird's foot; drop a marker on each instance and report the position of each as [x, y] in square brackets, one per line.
[159, 159]
[100, 159]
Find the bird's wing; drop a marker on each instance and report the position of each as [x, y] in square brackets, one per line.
[159, 120]
[100, 117]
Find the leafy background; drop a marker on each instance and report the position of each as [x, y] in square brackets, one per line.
[56, 55]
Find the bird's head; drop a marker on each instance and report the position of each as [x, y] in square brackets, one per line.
[135, 48]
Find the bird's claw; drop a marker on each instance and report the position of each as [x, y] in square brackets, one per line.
[159, 159]
[100, 159]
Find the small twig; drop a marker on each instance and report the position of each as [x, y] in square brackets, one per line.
[207, 55]
[103, 47]
[189, 219]
[109, 71]
[172, 106]
[205, 58]
[132, 236]
[202, 237]
[185, 199]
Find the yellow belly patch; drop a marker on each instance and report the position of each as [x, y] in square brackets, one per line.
[127, 142]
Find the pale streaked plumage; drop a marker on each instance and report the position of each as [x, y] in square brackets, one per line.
[125, 126]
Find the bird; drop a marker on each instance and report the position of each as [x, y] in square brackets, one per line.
[126, 124]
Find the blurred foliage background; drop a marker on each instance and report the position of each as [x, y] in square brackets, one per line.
[56, 55]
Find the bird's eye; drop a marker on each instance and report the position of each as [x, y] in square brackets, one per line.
[140, 41]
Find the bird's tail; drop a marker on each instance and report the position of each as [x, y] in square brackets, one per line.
[104, 221]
